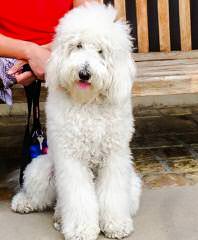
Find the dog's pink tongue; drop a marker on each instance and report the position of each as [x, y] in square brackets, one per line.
[83, 85]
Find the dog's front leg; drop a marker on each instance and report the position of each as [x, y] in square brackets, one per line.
[114, 184]
[77, 202]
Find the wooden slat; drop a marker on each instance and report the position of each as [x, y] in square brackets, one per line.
[164, 30]
[168, 82]
[121, 8]
[142, 26]
[156, 77]
[183, 67]
[167, 85]
[185, 25]
[139, 57]
[178, 65]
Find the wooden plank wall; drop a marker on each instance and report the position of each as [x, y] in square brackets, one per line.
[163, 23]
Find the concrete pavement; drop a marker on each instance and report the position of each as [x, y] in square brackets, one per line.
[165, 214]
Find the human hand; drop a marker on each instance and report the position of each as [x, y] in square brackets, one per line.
[37, 57]
[24, 78]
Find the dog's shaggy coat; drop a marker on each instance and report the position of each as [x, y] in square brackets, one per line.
[88, 169]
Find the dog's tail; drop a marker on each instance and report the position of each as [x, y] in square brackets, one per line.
[12, 180]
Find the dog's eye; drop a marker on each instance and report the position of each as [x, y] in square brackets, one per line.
[79, 45]
[100, 51]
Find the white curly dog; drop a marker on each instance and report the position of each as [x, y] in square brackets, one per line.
[88, 173]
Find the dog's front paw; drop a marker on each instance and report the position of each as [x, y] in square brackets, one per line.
[81, 232]
[116, 228]
[21, 204]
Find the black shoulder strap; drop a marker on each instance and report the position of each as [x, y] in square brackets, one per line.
[36, 110]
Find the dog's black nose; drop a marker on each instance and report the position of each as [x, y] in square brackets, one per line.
[84, 75]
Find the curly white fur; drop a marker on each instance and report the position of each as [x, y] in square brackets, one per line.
[88, 169]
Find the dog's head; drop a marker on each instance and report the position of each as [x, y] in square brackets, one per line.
[91, 55]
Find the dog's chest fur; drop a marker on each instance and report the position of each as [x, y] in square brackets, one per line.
[90, 132]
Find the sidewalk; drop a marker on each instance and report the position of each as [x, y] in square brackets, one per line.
[165, 214]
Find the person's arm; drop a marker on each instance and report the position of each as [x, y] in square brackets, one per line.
[14, 48]
[32, 53]
[18, 49]
[48, 46]
[77, 3]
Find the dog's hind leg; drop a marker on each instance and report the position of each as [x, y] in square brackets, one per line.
[38, 191]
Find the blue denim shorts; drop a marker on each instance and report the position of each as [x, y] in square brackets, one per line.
[6, 80]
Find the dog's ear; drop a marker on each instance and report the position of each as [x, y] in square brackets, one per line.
[53, 69]
[122, 82]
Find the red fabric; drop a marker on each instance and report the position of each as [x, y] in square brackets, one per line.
[32, 20]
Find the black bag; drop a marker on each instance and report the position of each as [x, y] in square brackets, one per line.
[34, 143]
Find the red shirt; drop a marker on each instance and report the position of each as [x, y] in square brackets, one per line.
[32, 20]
